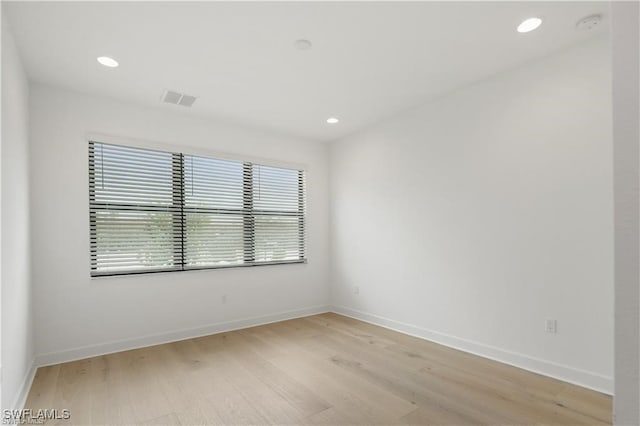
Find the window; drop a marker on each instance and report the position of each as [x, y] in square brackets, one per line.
[153, 211]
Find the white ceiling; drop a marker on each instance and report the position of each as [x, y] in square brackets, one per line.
[369, 59]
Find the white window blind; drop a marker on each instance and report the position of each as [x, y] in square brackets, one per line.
[154, 211]
[214, 212]
[278, 213]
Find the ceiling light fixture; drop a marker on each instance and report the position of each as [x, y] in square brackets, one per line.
[529, 25]
[332, 120]
[107, 61]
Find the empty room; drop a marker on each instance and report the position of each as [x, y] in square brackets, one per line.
[320, 213]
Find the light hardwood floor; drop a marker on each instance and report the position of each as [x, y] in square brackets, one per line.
[324, 369]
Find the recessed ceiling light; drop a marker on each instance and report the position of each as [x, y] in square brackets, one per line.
[529, 25]
[302, 44]
[108, 62]
[332, 120]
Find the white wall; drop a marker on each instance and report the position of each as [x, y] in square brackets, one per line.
[17, 326]
[78, 316]
[474, 218]
[626, 133]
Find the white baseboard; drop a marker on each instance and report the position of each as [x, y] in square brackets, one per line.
[23, 392]
[565, 373]
[173, 336]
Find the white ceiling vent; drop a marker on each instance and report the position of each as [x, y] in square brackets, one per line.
[171, 97]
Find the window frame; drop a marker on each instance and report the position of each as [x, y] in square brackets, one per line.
[179, 208]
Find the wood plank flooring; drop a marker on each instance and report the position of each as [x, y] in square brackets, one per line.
[320, 370]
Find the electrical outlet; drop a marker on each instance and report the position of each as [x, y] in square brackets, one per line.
[356, 290]
[552, 326]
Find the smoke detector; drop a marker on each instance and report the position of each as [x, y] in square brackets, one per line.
[302, 44]
[176, 98]
[588, 23]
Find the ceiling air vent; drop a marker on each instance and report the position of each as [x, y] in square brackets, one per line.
[171, 97]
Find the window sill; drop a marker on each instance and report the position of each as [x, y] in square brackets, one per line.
[203, 268]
